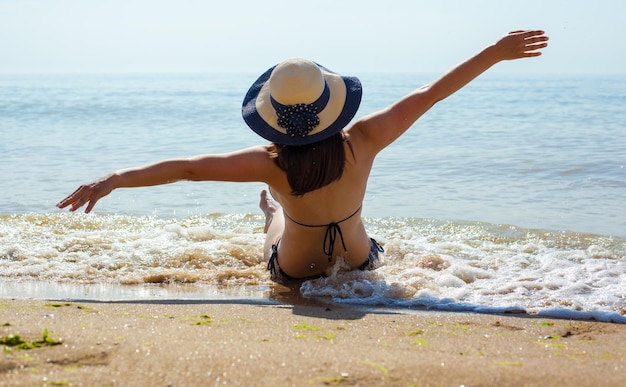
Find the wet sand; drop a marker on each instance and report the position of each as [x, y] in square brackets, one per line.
[222, 342]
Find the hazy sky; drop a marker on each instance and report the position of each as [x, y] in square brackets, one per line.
[348, 36]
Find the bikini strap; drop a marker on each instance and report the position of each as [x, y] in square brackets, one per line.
[271, 264]
[323, 225]
[330, 237]
[329, 240]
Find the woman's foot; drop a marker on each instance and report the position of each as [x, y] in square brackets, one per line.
[268, 207]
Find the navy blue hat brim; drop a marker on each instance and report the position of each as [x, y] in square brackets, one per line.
[254, 120]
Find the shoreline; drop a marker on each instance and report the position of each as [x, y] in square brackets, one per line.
[269, 295]
[194, 342]
[48, 290]
[273, 294]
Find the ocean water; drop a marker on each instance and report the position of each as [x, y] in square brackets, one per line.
[507, 197]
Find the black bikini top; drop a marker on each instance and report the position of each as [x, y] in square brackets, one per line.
[332, 230]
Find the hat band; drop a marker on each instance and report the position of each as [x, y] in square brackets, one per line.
[300, 119]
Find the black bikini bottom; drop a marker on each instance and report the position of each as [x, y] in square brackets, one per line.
[280, 276]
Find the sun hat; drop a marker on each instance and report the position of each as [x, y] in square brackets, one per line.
[299, 102]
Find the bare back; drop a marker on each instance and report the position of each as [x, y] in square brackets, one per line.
[301, 233]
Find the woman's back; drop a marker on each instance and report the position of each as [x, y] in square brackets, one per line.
[307, 217]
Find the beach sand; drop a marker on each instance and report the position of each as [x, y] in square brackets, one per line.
[234, 342]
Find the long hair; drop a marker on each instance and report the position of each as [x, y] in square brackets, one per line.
[312, 166]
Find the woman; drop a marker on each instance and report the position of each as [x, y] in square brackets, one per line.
[317, 164]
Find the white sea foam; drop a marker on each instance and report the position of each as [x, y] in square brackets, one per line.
[427, 264]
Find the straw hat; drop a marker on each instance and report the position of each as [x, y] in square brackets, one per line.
[299, 102]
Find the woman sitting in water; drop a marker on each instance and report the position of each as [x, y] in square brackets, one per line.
[317, 164]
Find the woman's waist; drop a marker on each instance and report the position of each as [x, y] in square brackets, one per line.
[313, 245]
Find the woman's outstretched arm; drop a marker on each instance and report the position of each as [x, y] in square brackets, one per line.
[251, 164]
[383, 127]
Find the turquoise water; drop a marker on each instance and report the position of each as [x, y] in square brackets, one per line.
[540, 152]
[510, 194]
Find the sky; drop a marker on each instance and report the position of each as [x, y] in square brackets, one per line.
[348, 36]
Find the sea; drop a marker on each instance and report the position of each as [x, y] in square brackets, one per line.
[508, 197]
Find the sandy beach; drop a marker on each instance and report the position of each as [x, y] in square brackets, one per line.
[222, 342]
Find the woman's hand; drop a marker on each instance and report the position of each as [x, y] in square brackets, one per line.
[398, 117]
[88, 194]
[521, 44]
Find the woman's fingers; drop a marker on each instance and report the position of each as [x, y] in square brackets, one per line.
[87, 193]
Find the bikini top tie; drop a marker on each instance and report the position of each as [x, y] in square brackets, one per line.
[332, 231]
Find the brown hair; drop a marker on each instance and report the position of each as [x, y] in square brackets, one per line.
[312, 166]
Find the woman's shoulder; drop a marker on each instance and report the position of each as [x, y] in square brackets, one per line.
[360, 143]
